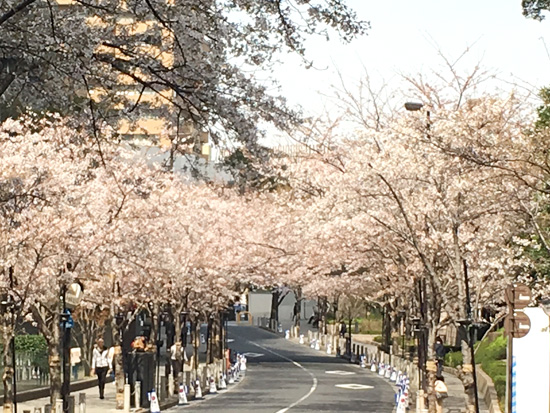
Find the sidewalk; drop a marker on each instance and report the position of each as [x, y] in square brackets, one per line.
[93, 403]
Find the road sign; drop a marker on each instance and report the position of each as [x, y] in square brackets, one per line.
[518, 296]
[518, 324]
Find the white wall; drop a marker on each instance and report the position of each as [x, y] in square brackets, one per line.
[532, 365]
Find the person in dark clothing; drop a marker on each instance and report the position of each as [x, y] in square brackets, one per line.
[343, 329]
[439, 355]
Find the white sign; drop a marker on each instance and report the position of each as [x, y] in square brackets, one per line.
[531, 373]
[353, 386]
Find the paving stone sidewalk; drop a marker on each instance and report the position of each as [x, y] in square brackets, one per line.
[93, 403]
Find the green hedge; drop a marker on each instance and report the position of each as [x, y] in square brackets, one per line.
[35, 347]
[492, 357]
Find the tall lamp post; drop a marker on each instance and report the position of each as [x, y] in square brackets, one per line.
[8, 304]
[468, 323]
[183, 320]
[70, 295]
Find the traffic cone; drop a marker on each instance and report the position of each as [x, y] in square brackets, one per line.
[212, 389]
[393, 376]
[198, 390]
[182, 397]
[231, 376]
[362, 362]
[381, 369]
[301, 339]
[373, 367]
[243, 363]
[329, 349]
[317, 346]
[287, 334]
[223, 384]
[312, 343]
[154, 405]
[402, 403]
[387, 374]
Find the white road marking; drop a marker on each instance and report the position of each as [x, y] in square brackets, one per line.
[253, 355]
[353, 386]
[340, 372]
[311, 390]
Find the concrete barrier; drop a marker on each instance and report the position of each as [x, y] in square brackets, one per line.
[487, 391]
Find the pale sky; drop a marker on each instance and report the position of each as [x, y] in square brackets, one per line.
[404, 38]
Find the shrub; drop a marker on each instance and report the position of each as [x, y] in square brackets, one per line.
[453, 358]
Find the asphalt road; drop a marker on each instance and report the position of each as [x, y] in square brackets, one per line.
[283, 376]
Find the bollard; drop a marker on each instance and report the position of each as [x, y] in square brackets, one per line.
[171, 387]
[162, 390]
[137, 394]
[81, 402]
[127, 394]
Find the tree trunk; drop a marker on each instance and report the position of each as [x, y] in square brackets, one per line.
[209, 341]
[274, 317]
[54, 359]
[216, 337]
[195, 339]
[7, 359]
[118, 362]
[323, 315]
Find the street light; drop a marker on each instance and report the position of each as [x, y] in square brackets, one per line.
[8, 303]
[413, 106]
[71, 295]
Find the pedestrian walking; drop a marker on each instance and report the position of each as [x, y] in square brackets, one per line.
[75, 357]
[177, 357]
[101, 365]
[441, 393]
[343, 329]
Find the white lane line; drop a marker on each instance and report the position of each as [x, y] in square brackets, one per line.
[311, 390]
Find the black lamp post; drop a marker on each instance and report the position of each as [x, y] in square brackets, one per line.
[70, 295]
[8, 304]
[162, 316]
[468, 324]
[183, 320]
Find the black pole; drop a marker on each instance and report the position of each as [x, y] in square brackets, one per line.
[470, 331]
[157, 383]
[421, 336]
[66, 341]
[12, 342]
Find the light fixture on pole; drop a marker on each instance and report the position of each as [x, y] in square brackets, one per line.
[413, 106]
